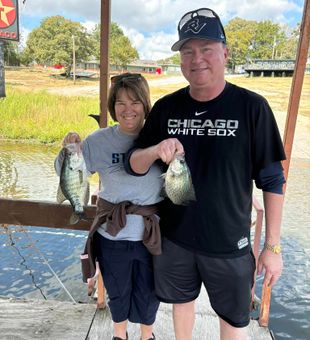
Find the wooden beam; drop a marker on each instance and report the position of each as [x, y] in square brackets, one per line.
[104, 61]
[43, 214]
[298, 77]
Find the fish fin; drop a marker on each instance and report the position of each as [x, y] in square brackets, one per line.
[192, 195]
[163, 192]
[163, 175]
[60, 197]
[74, 218]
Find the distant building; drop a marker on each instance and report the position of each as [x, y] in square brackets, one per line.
[143, 66]
[171, 68]
[138, 66]
[270, 68]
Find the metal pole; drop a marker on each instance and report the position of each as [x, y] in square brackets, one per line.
[2, 78]
[104, 60]
[73, 57]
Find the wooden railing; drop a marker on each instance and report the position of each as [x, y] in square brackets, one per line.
[53, 215]
[50, 215]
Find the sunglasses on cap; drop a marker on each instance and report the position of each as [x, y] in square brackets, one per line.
[202, 23]
[126, 76]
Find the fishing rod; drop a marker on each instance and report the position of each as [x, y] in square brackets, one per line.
[45, 261]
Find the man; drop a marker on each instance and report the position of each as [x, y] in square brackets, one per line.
[230, 138]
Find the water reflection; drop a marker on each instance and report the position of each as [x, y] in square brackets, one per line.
[44, 263]
[27, 172]
[8, 175]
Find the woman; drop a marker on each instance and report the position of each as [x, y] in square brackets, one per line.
[123, 248]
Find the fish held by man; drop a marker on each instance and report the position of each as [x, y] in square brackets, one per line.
[178, 185]
[73, 183]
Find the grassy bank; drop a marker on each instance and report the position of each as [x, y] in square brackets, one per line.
[45, 117]
[29, 112]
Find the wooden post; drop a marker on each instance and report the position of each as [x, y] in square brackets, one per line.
[104, 61]
[257, 237]
[265, 306]
[101, 302]
[298, 77]
[105, 18]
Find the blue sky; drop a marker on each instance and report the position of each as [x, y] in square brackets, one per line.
[151, 24]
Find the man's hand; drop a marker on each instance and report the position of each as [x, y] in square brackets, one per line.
[272, 264]
[168, 148]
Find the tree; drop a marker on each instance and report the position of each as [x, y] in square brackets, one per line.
[239, 34]
[266, 35]
[52, 43]
[121, 51]
[248, 40]
[287, 48]
[11, 54]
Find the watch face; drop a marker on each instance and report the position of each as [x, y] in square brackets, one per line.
[277, 249]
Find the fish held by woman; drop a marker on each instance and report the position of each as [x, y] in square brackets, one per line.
[73, 183]
[178, 184]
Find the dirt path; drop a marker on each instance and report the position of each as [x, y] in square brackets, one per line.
[301, 144]
[93, 90]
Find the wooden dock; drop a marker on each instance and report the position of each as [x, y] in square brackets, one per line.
[53, 320]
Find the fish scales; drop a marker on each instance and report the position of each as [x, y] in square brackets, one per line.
[178, 184]
[73, 184]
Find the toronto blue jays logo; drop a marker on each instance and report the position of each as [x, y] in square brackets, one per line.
[195, 26]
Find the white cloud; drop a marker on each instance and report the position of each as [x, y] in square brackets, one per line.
[153, 47]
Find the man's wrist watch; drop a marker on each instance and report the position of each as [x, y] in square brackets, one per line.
[276, 248]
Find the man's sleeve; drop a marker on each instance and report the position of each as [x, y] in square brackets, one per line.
[268, 146]
[271, 178]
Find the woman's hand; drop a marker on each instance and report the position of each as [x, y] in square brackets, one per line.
[70, 138]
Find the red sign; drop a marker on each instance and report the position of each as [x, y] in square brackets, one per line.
[9, 19]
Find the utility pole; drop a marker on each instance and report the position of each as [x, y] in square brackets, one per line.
[2, 79]
[73, 52]
[274, 47]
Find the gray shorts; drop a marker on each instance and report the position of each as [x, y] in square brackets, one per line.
[179, 274]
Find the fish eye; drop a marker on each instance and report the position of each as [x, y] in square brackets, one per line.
[182, 161]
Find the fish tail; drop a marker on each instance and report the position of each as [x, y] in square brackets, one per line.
[74, 218]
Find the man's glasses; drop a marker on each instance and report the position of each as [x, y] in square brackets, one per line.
[125, 76]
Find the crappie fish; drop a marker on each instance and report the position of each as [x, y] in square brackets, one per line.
[73, 184]
[178, 184]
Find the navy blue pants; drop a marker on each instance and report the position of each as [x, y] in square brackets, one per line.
[127, 271]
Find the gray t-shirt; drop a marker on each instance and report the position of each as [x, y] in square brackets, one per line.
[104, 152]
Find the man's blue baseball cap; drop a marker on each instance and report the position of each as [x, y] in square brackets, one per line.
[202, 23]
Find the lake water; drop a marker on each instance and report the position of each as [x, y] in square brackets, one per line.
[44, 263]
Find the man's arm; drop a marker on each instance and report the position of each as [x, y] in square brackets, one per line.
[142, 159]
[270, 262]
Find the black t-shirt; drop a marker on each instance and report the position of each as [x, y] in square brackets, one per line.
[227, 141]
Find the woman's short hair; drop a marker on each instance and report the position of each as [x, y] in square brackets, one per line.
[136, 84]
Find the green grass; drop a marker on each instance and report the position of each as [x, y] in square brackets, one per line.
[30, 113]
[45, 117]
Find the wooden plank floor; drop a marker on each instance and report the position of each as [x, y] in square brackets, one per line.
[45, 320]
[53, 320]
